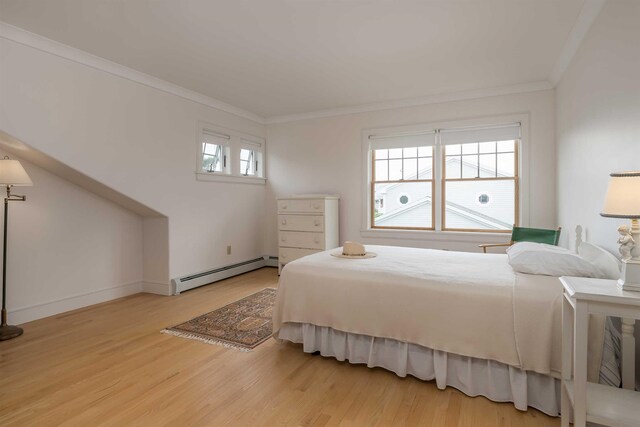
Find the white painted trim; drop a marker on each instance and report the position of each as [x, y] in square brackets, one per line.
[412, 102]
[44, 44]
[222, 177]
[157, 288]
[38, 311]
[588, 14]
[179, 286]
[271, 261]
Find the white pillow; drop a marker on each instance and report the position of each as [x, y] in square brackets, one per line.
[606, 264]
[548, 260]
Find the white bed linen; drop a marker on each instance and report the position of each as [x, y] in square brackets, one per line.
[474, 377]
[461, 303]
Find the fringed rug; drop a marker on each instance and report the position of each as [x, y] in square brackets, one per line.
[242, 325]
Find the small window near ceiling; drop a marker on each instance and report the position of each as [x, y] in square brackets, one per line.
[214, 152]
[250, 158]
[248, 164]
[226, 155]
[211, 157]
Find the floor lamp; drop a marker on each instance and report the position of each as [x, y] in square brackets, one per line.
[11, 174]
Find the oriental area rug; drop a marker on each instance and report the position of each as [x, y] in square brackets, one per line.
[242, 325]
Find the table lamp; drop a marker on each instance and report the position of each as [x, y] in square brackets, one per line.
[623, 201]
[11, 174]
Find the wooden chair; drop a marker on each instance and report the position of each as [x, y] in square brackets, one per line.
[523, 234]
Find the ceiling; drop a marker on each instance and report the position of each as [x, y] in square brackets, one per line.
[281, 57]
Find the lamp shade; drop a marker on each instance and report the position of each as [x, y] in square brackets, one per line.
[12, 173]
[623, 196]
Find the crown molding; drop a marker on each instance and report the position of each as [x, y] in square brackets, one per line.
[44, 44]
[414, 102]
[588, 14]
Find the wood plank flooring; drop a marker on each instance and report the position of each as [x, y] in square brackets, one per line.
[109, 365]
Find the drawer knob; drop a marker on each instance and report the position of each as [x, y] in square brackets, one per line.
[283, 222]
[283, 239]
[284, 206]
[283, 256]
[316, 223]
[316, 240]
[316, 206]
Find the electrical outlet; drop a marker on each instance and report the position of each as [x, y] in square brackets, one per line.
[229, 250]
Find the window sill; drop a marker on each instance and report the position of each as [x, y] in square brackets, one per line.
[241, 179]
[437, 236]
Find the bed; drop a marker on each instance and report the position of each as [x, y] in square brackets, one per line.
[466, 320]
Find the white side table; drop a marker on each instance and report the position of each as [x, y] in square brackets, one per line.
[594, 402]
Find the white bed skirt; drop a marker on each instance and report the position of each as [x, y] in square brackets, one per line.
[474, 377]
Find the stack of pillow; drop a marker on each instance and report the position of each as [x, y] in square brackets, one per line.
[548, 260]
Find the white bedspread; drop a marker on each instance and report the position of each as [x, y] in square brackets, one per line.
[463, 303]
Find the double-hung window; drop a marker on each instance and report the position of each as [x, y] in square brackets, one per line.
[229, 156]
[402, 184]
[445, 179]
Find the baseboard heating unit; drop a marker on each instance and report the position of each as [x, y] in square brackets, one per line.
[185, 283]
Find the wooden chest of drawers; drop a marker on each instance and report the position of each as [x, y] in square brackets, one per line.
[306, 225]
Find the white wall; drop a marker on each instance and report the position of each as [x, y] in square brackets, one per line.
[139, 141]
[68, 248]
[324, 156]
[598, 101]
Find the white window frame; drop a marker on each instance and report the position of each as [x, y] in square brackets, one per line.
[236, 141]
[438, 234]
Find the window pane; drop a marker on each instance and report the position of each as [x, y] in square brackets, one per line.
[410, 168]
[425, 168]
[469, 166]
[488, 147]
[382, 154]
[506, 146]
[453, 149]
[506, 164]
[480, 205]
[395, 153]
[395, 170]
[425, 151]
[487, 165]
[410, 152]
[247, 162]
[405, 204]
[382, 173]
[452, 167]
[209, 148]
[470, 148]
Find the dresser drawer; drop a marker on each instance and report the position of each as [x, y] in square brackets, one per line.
[301, 205]
[291, 254]
[301, 222]
[302, 239]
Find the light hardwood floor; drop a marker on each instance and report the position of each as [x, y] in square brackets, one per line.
[109, 365]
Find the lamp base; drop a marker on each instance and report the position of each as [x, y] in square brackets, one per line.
[630, 277]
[8, 332]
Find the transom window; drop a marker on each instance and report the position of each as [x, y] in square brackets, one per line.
[229, 156]
[214, 152]
[445, 179]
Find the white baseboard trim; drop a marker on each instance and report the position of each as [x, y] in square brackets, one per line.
[271, 261]
[25, 314]
[184, 283]
[157, 288]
